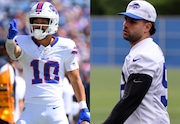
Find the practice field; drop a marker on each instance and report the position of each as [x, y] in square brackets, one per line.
[105, 92]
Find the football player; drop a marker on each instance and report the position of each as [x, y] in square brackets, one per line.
[144, 78]
[45, 59]
[7, 87]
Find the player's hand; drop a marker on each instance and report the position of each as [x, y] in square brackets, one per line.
[12, 32]
[84, 116]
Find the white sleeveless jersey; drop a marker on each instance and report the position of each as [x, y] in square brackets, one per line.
[147, 58]
[44, 68]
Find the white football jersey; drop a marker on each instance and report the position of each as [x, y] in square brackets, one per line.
[147, 58]
[44, 68]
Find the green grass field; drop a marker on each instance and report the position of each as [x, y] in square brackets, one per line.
[105, 92]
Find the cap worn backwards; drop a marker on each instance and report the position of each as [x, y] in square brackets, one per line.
[140, 9]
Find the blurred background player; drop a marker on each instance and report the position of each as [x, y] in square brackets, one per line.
[19, 90]
[46, 83]
[71, 104]
[7, 85]
[18, 84]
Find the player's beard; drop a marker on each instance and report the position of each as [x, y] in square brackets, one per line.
[131, 37]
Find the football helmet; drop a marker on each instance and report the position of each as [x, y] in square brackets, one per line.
[47, 11]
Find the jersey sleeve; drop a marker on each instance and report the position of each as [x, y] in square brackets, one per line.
[71, 62]
[144, 65]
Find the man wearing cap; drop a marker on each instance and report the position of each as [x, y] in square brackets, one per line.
[143, 89]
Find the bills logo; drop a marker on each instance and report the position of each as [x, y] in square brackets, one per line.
[134, 6]
[53, 9]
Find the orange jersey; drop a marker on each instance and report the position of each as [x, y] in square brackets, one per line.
[6, 94]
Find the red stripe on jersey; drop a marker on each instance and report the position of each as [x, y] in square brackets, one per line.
[54, 41]
[39, 7]
[74, 50]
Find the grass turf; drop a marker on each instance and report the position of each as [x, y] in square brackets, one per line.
[105, 92]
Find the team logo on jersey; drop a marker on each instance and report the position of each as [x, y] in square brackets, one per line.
[44, 58]
[46, 51]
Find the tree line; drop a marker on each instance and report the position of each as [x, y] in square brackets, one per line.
[112, 7]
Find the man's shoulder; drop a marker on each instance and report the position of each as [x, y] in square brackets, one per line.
[22, 38]
[66, 42]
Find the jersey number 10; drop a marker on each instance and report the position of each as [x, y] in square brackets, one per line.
[48, 66]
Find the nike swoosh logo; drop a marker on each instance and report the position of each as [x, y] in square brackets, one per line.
[56, 107]
[135, 81]
[134, 60]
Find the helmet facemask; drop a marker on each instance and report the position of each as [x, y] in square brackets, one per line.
[38, 32]
[47, 12]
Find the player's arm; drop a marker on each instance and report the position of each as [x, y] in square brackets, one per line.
[13, 50]
[135, 90]
[77, 85]
[79, 91]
